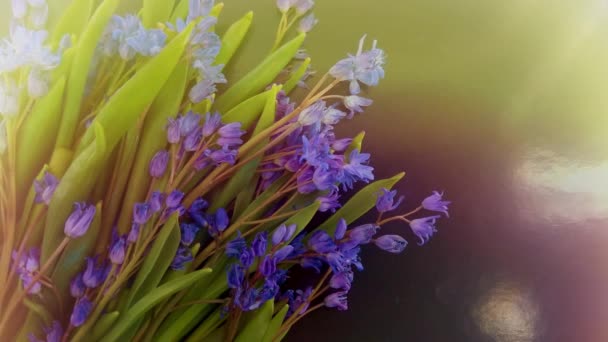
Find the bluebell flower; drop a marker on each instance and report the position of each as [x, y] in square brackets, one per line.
[142, 212]
[79, 220]
[356, 170]
[283, 253]
[94, 275]
[182, 257]
[312, 114]
[355, 103]
[27, 267]
[156, 201]
[259, 244]
[313, 263]
[212, 123]
[303, 6]
[307, 23]
[159, 163]
[133, 233]
[305, 183]
[117, 251]
[340, 229]
[221, 156]
[365, 67]
[341, 144]
[189, 232]
[230, 134]
[363, 234]
[424, 228]
[236, 275]
[284, 5]
[188, 123]
[201, 91]
[268, 266]
[332, 116]
[337, 300]
[82, 309]
[391, 243]
[435, 202]
[37, 83]
[336, 261]
[222, 220]
[128, 37]
[193, 139]
[279, 234]
[198, 8]
[174, 199]
[291, 230]
[54, 333]
[341, 281]
[385, 201]
[9, 97]
[173, 131]
[324, 179]
[77, 286]
[247, 257]
[236, 246]
[45, 188]
[321, 242]
[197, 212]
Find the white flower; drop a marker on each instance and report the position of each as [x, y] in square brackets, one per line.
[37, 84]
[9, 98]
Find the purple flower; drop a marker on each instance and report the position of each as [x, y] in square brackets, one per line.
[365, 67]
[27, 267]
[341, 281]
[268, 266]
[391, 243]
[337, 300]
[355, 103]
[341, 144]
[235, 247]
[158, 164]
[197, 212]
[54, 333]
[247, 258]
[77, 286]
[142, 213]
[212, 123]
[385, 200]
[156, 201]
[279, 234]
[298, 299]
[79, 221]
[312, 114]
[193, 140]
[188, 123]
[221, 156]
[219, 223]
[323, 179]
[283, 253]
[183, 256]
[340, 229]
[230, 135]
[282, 5]
[117, 252]
[424, 228]
[93, 276]
[174, 199]
[313, 263]
[363, 234]
[236, 275]
[303, 6]
[337, 262]
[45, 188]
[291, 229]
[356, 170]
[82, 309]
[133, 233]
[259, 244]
[307, 23]
[189, 232]
[305, 182]
[173, 131]
[321, 242]
[435, 203]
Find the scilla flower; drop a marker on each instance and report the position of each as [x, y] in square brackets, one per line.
[435, 203]
[424, 228]
[79, 221]
[366, 67]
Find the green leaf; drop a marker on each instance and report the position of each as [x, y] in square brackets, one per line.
[104, 323]
[360, 203]
[37, 136]
[355, 144]
[74, 257]
[80, 71]
[165, 106]
[151, 299]
[248, 111]
[123, 109]
[242, 201]
[75, 186]
[275, 324]
[255, 328]
[209, 324]
[73, 20]
[259, 77]
[156, 11]
[38, 309]
[232, 39]
[296, 76]
[157, 261]
[242, 178]
[181, 10]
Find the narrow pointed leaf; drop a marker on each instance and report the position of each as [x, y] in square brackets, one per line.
[156, 11]
[73, 20]
[232, 39]
[296, 76]
[104, 324]
[256, 327]
[275, 324]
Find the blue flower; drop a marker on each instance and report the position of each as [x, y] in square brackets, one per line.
[158, 164]
[174, 199]
[247, 257]
[156, 201]
[45, 188]
[212, 123]
[188, 123]
[307, 23]
[268, 266]
[391, 243]
[79, 221]
[340, 229]
[283, 253]
[230, 135]
[117, 252]
[337, 300]
[183, 256]
[279, 234]
[142, 212]
[259, 244]
[363, 234]
[94, 275]
[54, 333]
[312, 114]
[365, 67]
[27, 267]
[189, 232]
[81, 311]
[355, 103]
[435, 202]
[385, 201]
[321, 242]
[173, 131]
[341, 281]
[235, 247]
[133, 233]
[424, 228]
[77, 286]
[236, 275]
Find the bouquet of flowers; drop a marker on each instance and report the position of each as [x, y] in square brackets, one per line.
[140, 202]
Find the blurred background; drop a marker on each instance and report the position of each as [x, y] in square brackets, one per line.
[503, 105]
